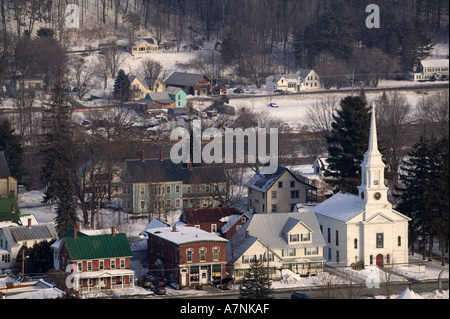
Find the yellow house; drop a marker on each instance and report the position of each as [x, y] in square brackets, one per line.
[8, 184]
[143, 46]
[138, 88]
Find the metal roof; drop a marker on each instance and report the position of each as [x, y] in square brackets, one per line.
[270, 228]
[183, 79]
[99, 246]
[25, 233]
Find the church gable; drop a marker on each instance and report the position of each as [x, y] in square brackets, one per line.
[379, 218]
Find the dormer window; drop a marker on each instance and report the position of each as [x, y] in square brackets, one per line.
[294, 238]
[306, 237]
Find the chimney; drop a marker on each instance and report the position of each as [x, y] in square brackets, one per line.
[190, 164]
[161, 156]
[174, 228]
[113, 231]
[142, 156]
[75, 231]
[29, 222]
[247, 233]
[13, 208]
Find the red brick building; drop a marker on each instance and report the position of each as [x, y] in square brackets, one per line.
[98, 262]
[186, 255]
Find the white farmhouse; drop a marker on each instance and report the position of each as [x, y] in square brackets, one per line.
[284, 241]
[289, 83]
[364, 228]
[430, 69]
[310, 80]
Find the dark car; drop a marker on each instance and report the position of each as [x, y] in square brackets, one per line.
[159, 290]
[298, 295]
[159, 282]
[147, 283]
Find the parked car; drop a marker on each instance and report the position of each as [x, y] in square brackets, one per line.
[159, 282]
[274, 105]
[238, 91]
[159, 290]
[298, 295]
[146, 282]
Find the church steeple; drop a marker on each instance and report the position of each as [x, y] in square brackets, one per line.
[373, 140]
[372, 190]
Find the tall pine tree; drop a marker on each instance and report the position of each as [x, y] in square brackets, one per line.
[122, 90]
[256, 284]
[12, 144]
[424, 191]
[57, 173]
[347, 144]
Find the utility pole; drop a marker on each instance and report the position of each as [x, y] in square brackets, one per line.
[353, 78]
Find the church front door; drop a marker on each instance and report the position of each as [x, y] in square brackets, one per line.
[379, 260]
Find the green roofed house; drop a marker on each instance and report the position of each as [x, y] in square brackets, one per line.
[9, 213]
[100, 262]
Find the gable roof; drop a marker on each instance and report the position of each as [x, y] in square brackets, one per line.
[271, 229]
[99, 246]
[263, 182]
[4, 167]
[304, 73]
[162, 97]
[157, 171]
[183, 79]
[205, 215]
[25, 233]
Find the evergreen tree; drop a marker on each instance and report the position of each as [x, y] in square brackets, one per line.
[122, 90]
[438, 195]
[424, 190]
[347, 144]
[256, 284]
[12, 144]
[413, 178]
[57, 173]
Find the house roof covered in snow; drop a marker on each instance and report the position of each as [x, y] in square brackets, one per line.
[341, 206]
[184, 235]
[263, 182]
[435, 63]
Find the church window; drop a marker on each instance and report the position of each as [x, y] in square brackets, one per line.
[356, 243]
[337, 237]
[380, 240]
[399, 241]
[371, 260]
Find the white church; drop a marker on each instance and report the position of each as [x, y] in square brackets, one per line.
[364, 229]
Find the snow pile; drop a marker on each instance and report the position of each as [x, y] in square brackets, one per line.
[409, 294]
[288, 277]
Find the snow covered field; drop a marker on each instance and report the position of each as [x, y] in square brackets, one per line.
[30, 203]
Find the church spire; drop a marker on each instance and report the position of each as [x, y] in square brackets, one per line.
[373, 139]
[372, 190]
